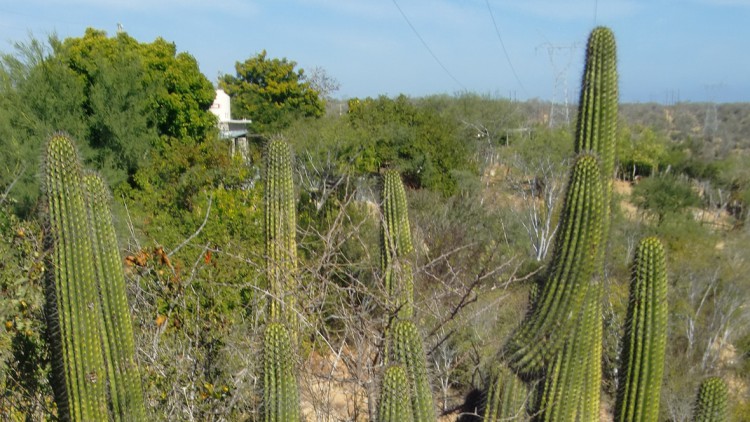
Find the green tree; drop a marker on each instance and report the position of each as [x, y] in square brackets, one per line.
[271, 93]
[664, 195]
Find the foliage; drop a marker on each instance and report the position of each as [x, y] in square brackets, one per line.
[24, 359]
[122, 99]
[271, 93]
[417, 141]
[665, 195]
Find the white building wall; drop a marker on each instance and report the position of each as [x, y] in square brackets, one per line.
[222, 107]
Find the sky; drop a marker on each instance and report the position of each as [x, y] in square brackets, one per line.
[668, 50]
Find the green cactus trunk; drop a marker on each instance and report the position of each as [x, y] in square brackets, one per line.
[507, 397]
[561, 298]
[711, 403]
[596, 127]
[406, 349]
[395, 405]
[645, 336]
[397, 246]
[280, 233]
[73, 310]
[125, 389]
[280, 389]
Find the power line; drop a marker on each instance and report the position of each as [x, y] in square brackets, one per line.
[428, 47]
[505, 51]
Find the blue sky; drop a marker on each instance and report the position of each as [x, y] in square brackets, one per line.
[691, 50]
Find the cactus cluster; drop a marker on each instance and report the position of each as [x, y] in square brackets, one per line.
[396, 246]
[280, 233]
[645, 336]
[394, 405]
[94, 373]
[711, 403]
[561, 337]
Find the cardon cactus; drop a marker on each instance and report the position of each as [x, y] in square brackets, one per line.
[711, 403]
[560, 301]
[596, 127]
[73, 308]
[396, 246]
[280, 234]
[645, 336]
[125, 389]
[395, 405]
[406, 349]
[506, 398]
[280, 390]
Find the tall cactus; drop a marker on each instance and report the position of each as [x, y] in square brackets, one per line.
[280, 390]
[596, 126]
[395, 405]
[406, 349]
[645, 336]
[125, 389]
[280, 234]
[711, 403]
[397, 245]
[561, 298]
[506, 397]
[73, 310]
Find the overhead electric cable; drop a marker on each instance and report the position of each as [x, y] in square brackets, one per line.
[428, 47]
[505, 51]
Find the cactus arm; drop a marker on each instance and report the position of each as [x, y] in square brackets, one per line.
[561, 297]
[280, 389]
[711, 403]
[406, 349]
[126, 392]
[280, 234]
[79, 374]
[397, 246]
[395, 405]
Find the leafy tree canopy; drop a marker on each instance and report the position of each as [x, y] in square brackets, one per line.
[271, 93]
[117, 97]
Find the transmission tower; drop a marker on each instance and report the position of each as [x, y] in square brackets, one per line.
[711, 125]
[559, 111]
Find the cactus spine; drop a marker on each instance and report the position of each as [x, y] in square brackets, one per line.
[394, 405]
[406, 349]
[396, 246]
[280, 391]
[711, 403]
[124, 379]
[645, 336]
[73, 309]
[506, 397]
[280, 232]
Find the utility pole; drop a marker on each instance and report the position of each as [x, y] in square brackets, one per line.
[559, 112]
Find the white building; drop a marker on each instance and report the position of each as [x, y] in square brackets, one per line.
[233, 130]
